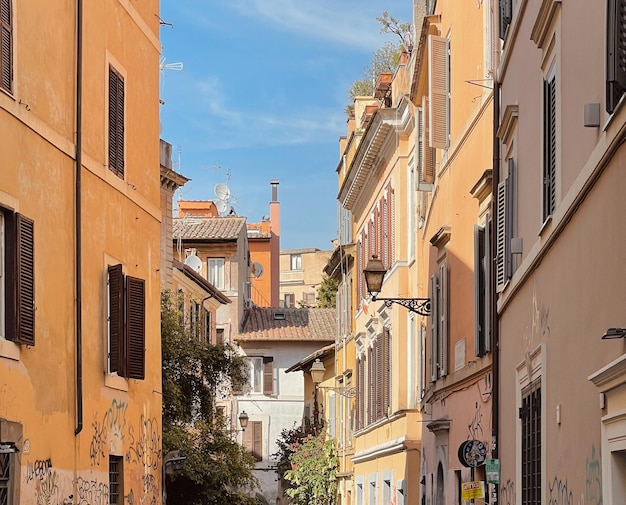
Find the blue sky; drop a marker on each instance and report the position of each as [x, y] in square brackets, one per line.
[262, 96]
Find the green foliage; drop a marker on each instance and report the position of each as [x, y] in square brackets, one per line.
[327, 293]
[313, 473]
[385, 59]
[217, 468]
[290, 439]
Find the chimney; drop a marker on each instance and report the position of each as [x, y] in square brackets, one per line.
[275, 245]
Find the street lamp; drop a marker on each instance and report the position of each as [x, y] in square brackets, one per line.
[317, 373]
[374, 273]
[172, 465]
[243, 420]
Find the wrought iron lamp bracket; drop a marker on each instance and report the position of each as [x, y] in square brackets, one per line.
[420, 306]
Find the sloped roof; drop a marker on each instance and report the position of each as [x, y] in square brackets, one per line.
[208, 228]
[304, 364]
[288, 324]
[202, 282]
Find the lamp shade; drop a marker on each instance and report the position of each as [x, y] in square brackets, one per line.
[243, 420]
[374, 274]
[317, 371]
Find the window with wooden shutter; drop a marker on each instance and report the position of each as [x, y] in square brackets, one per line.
[385, 378]
[360, 393]
[25, 242]
[482, 282]
[116, 122]
[434, 318]
[501, 236]
[6, 46]
[549, 147]
[439, 91]
[371, 382]
[252, 439]
[443, 319]
[127, 322]
[615, 53]
[135, 328]
[268, 375]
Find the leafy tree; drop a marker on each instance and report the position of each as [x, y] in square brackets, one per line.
[385, 59]
[327, 293]
[217, 468]
[313, 473]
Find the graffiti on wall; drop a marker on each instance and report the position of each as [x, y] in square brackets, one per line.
[145, 445]
[112, 424]
[539, 329]
[593, 486]
[559, 493]
[507, 493]
[91, 492]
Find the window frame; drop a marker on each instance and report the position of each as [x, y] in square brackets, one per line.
[216, 268]
[550, 145]
[116, 487]
[439, 321]
[295, 261]
[252, 439]
[615, 73]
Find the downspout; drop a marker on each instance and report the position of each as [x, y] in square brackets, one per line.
[495, 328]
[78, 224]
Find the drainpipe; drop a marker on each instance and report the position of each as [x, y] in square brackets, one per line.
[78, 224]
[495, 328]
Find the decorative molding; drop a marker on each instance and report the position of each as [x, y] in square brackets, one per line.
[610, 376]
[439, 425]
[545, 18]
[482, 189]
[441, 238]
[508, 124]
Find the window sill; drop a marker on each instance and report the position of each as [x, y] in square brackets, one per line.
[114, 381]
[545, 225]
[9, 350]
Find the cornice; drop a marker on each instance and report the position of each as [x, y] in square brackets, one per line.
[508, 124]
[541, 28]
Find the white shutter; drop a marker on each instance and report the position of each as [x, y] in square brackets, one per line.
[438, 91]
[434, 324]
[428, 153]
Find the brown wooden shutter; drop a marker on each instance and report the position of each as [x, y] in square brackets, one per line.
[116, 122]
[386, 371]
[6, 44]
[135, 328]
[247, 437]
[615, 53]
[257, 442]
[25, 242]
[371, 382]
[360, 393]
[116, 319]
[268, 376]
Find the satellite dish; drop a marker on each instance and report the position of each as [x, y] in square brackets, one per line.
[220, 205]
[222, 191]
[194, 263]
[257, 269]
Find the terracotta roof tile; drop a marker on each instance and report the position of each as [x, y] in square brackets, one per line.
[199, 228]
[297, 324]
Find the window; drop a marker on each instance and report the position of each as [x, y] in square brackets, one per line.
[17, 278]
[379, 399]
[116, 122]
[505, 223]
[6, 54]
[332, 416]
[425, 154]
[506, 16]
[439, 323]
[439, 91]
[219, 336]
[216, 272]
[262, 375]
[309, 298]
[290, 300]
[116, 481]
[6, 477]
[549, 145]
[615, 53]
[126, 324]
[482, 283]
[360, 392]
[252, 439]
[530, 415]
[207, 326]
[296, 262]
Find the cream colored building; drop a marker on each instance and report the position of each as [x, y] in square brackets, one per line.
[80, 347]
[300, 276]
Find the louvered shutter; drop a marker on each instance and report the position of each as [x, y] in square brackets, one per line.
[386, 371]
[444, 302]
[257, 447]
[488, 269]
[268, 376]
[550, 147]
[438, 91]
[509, 214]
[116, 319]
[371, 382]
[116, 122]
[25, 229]
[135, 328]
[506, 15]
[391, 216]
[434, 324]
[247, 437]
[479, 290]
[615, 53]
[360, 393]
[501, 248]
[6, 46]
[331, 416]
[428, 153]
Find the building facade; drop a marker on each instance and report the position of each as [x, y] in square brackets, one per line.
[300, 276]
[80, 351]
[559, 265]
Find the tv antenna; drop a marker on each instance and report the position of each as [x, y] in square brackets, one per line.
[163, 66]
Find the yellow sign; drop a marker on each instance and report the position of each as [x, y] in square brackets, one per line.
[472, 490]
